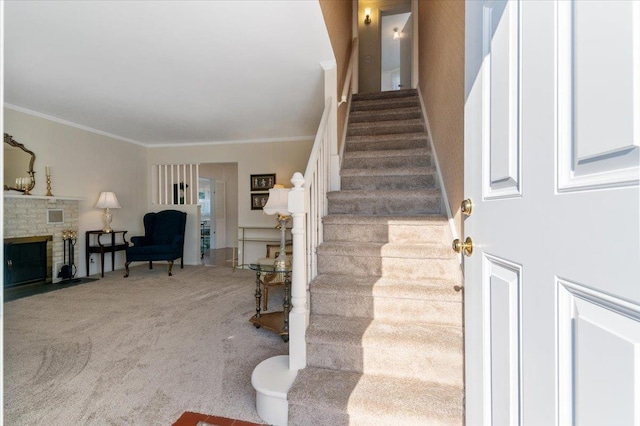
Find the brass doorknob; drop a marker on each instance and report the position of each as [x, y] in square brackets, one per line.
[465, 247]
[466, 207]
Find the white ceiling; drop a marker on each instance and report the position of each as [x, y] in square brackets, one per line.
[169, 72]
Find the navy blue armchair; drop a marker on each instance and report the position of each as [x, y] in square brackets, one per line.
[163, 239]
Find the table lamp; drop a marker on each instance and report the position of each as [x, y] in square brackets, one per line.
[107, 201]
[278, 203]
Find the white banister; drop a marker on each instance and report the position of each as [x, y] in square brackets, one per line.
[298, 314]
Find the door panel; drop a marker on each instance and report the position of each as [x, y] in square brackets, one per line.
[598, 146]
[502, 291]
[501, 139]
[599, 343]
[551, 164]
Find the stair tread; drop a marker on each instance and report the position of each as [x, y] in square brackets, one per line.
[417, 220]
[388, 171]
[384, 399]
[391, 94]
[387, 250]
[393, 137]
[384, 193]
[399, 113]
[408, 152]
[368, 333]
[384, 104]
[432, 289]
[386, 123]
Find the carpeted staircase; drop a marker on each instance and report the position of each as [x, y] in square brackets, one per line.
[384, 345]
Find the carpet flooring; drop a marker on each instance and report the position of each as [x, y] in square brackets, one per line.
[136, 351]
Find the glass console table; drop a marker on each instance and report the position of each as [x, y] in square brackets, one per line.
[278, 322]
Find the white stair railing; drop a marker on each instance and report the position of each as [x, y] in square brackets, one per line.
[308, 200]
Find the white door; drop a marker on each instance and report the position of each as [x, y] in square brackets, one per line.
[220, 212]
[552, 288]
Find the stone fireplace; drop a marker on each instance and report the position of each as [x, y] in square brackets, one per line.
[27, 216]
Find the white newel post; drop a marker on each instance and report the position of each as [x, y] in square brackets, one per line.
[298, 314]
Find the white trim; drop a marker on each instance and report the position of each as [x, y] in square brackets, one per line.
[345, 129]
[434, 156]
[226, 142]
[154, 145]
[70, 123]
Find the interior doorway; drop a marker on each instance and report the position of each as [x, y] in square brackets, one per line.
[218, 199]
[396, 32]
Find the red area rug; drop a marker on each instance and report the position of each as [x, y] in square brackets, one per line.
[192, 419]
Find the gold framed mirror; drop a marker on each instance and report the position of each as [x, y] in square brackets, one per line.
[18, 166]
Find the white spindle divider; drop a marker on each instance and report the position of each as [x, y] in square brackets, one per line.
[176, 174]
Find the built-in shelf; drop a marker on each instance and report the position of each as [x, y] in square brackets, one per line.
[42, 197]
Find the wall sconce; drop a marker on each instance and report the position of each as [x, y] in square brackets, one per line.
[396, 34]
[367, 15]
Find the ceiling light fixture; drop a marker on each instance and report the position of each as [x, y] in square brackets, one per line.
[367, 15]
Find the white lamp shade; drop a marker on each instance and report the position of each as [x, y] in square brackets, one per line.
[278, 202]
[107, 200]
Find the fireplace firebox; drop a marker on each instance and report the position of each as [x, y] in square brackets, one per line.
[26, 260]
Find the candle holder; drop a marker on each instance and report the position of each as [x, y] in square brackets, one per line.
[29, 183]
[49, 194]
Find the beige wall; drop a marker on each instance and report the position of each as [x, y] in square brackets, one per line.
[441, 81]
[338, 19]
[369, 36]
[82, 165]
[281, 158]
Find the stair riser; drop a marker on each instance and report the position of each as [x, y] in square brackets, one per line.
[384, 104]
[386, 233]
[382, 162]
[444, 367]
[387, 309]
[387, 182]
[384, 206]
[385, 129]
[383, 115]
[398, 268]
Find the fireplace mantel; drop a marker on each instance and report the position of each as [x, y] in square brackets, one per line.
[42, 197]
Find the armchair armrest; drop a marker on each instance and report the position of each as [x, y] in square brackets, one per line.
[139, 241]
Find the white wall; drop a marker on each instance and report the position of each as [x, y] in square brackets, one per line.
[82, 165]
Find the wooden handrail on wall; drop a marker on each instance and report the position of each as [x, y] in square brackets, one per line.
[351, 77]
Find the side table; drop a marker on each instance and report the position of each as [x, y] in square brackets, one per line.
[278, 322]
[91, 247]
